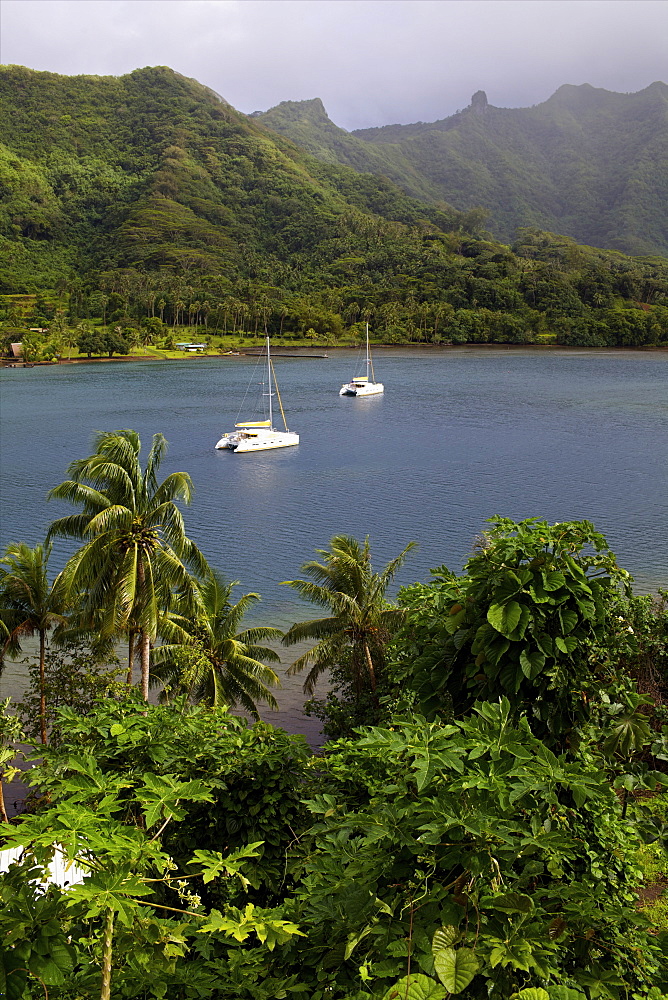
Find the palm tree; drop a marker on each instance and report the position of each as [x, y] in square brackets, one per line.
[30, 605]
[210, 660]
[134, 561]
[361, 621]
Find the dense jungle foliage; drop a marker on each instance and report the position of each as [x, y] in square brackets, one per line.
[485, 826]
[588, 163]
[142, 204]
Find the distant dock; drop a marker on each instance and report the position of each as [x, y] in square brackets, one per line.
[275, 354]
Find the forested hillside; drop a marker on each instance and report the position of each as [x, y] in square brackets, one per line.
[148, 197]
[587, 162]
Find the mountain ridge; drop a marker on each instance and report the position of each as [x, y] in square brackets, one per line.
[589, 163]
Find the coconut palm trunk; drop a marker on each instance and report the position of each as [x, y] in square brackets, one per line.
[42, 686]
[145, 652]
[132, 634]
[369, 663]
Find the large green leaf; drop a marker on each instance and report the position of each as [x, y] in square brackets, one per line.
[545, 642]
[444, 937]
[531, 993]
[565, 643]
[505, 617]
[627, 733]
[455, 968]
[569, 619]
[510, 585]
[508, 902]
[425, 768]
[13, 975]
[52, 968]
[538, 592]
[416, 987]
[532, 662]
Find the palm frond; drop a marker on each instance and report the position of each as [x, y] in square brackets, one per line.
[81, 494]
[192, 557]
[260, 633]
[177, 486]
[114, 518]
[262, 653]
[114, 480]
[72, 526]
[388, 573]
[316, 628]
[313, 592]
[154, 460]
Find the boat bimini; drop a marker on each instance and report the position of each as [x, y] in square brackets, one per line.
[260, 435]
[363, 385]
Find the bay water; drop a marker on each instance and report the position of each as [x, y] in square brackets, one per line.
[460, 435]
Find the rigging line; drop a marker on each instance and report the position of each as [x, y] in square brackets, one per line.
[368, 351]
[278, 395]
[250, 383]
[358, 359]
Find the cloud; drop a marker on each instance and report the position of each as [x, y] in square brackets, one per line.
[371, 61]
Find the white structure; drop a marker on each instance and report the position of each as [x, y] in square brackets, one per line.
[363, 385]
[260, 435]
[60, 872]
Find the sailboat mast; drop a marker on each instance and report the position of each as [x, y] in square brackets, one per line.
[271, 416]
[368, 356]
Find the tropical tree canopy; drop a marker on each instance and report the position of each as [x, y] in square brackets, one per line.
[210, 660]
[136, 559]
[361, 621]
[519, 624]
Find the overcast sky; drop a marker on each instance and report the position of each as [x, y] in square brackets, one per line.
[372, 62]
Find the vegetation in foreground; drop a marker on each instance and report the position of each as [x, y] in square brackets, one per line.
[485, 832]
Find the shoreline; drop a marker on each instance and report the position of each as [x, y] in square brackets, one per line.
[307, 353]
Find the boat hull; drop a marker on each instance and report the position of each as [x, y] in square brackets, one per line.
[370, 389]
[268, 441]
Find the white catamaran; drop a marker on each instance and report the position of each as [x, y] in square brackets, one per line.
[260, 435]
[363, 385]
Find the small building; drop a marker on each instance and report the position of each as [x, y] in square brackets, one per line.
[59, 871]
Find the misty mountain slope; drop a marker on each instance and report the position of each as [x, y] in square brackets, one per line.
[307, 124]
[588, 163]
[154, 170]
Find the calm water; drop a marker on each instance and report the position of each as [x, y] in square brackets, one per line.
[460, 435]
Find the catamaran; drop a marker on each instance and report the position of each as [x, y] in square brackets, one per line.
[260, 435]
[363, 385]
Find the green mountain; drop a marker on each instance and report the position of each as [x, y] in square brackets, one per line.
[148, 197]
[153, 170]
[587, 163]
